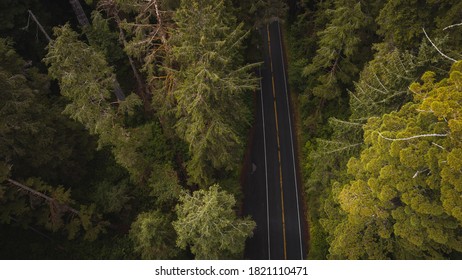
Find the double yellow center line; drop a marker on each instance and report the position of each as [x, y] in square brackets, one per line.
[279, 144]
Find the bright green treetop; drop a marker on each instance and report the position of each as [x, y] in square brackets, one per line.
[208, 224]
[404, 201]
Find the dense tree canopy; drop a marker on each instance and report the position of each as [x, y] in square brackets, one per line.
[390, 45]
[117, 127]
[404, 201]
[27, 137]
[126, 159]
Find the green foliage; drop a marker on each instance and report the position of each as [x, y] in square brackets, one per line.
[338, 44]
[20, 110]
[382, 87]
[401, 202]
[164, 184]
[210, 80]
[38, 144]
[111, 197]
[88, 86]
[401, 22]
[103, 39]
[29, 141]
[208, 224]
[38, 203]
[265, 10]
[153, 236]
[383, 83]
[88, 83]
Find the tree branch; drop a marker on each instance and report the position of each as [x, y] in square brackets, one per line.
[412, 137]
[453, 25]
[78, 10]
[159, 21]
[342, 149]
[345, 122]
[439, 146]
[39, 25]
[452, 59]
[41, 195]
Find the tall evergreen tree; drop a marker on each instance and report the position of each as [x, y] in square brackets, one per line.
[208, 224]
[211, 80]
[339, 44]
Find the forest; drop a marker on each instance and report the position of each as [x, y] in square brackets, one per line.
[124, 126]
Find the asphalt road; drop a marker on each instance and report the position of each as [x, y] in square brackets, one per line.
[272, 191]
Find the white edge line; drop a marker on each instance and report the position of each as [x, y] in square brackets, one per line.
[266, 167]
[292, 142]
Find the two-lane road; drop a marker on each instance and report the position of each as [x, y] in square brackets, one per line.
[272, 190]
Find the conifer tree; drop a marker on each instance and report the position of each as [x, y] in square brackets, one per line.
[88, 84]
[208, 224]
[210, 82]
[338, 44]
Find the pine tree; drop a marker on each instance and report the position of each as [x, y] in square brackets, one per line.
[401, 22]
[338, 44]
[207, 223]
[211, 80]
[88, 84]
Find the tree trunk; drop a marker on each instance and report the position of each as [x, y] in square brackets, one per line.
[78, 10]
[50, 200]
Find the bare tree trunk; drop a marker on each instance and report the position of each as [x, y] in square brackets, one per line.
[413, 137]
[163, 37]
[78, 10]
[50, 200]
[31, 14]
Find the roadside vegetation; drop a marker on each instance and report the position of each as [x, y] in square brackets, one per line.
[131, 146]
[377, 83]
[108, 151]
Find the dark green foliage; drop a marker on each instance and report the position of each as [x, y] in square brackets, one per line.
[382, 88]
[338, 43]
[401, 22]
[210, 80]
[266, 10]
[105, 40]
[29, 141]
[153, 236]
[130, 135]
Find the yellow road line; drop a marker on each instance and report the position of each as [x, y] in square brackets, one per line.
[279, 146]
